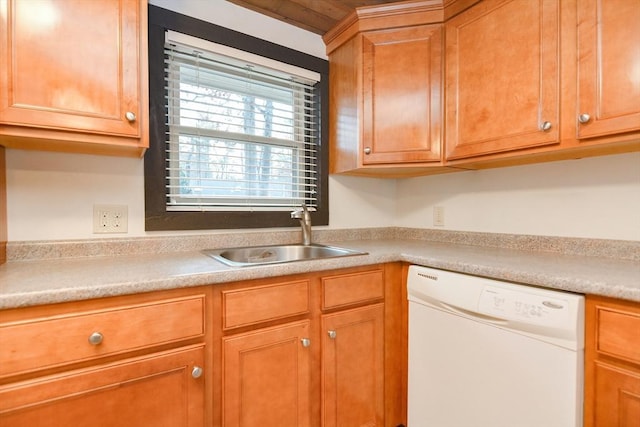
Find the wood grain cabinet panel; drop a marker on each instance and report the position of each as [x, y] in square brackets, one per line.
[402, 79]
[618, 334]
[151, 391]
[612, 363]
[608, 67]
[3, 207]
[618, 399]
[345, 289]
[353, 367]
[45, 342]
[73, 75]
[266, 377]
[502, 77]
[244, 307]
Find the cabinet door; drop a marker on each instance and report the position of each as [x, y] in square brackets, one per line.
[3, 208]
[612, 362]
[618, 397]
[71, 65]
[402, 71]
[152, 391]
[608, 67]
[266, 377]
[502, 77]
[353, 367]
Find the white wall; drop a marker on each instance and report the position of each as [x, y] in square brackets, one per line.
[51, 195]
[594, 198]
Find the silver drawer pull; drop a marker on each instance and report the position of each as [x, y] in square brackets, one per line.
[197, 372]
[306, 342]
[332, 334]
[130, 116]
[96, 338]
[584, 118]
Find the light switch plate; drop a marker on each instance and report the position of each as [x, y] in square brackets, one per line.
[438, 216]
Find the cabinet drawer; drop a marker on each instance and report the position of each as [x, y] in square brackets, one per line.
[148, 391]
[242, 307]
[352, 288]
[45, 342]
[618, 333]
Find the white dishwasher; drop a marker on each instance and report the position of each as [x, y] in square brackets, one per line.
[486, 353]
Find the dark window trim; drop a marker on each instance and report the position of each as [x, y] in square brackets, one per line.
[156, 216]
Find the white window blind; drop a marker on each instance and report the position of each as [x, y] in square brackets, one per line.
[241, 135]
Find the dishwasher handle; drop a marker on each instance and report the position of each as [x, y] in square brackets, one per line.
[473, 314]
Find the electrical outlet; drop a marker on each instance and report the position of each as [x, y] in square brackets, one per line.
[110, 219]
[438, 216]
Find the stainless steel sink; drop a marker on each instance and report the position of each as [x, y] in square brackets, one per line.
[273, 254]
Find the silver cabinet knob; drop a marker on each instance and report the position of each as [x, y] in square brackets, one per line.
[131, 117]
[545, 126]
[367, 150]
[332, 334]
[584, 118]
[197, 372]
[96, 338]
[306, 342]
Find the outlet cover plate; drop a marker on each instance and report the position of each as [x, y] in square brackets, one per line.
[110, 219]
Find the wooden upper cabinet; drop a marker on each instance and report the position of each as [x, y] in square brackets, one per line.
[402, 71]
[608, 67]
[73, 73]
[502, 77]
[385, 84]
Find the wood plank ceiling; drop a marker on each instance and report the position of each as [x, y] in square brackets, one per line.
[317, 16]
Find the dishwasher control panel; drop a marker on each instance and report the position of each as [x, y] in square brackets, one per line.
[522, 306]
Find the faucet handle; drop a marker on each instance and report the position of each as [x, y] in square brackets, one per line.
[302, 212]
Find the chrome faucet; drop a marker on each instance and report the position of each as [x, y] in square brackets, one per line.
[304, 216]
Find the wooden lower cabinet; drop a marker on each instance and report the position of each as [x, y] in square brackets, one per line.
[151, 391]
[266, 377]
[612, 363]
[318, 349]
[3, 207]
[617, 401]
[138, 360]
[353, 367]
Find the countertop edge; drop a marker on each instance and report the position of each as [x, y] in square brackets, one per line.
[561, 272]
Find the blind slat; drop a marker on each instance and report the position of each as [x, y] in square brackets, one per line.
[239, 135]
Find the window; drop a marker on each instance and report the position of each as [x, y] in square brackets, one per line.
[237, 139]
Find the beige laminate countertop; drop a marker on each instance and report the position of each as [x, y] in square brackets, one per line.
[26, 283]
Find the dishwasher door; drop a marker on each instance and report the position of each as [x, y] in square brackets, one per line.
[484, 353]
